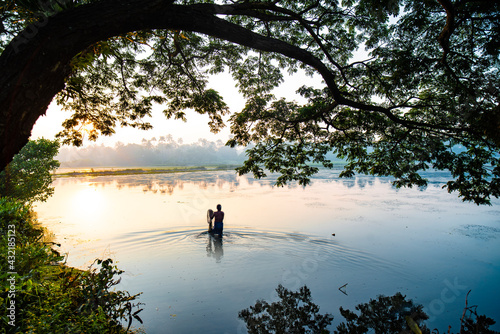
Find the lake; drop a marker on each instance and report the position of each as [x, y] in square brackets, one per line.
[362, 232]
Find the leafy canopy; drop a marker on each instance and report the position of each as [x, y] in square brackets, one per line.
[409, 85]
[28, 178]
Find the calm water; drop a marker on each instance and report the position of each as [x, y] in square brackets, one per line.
[426, 244]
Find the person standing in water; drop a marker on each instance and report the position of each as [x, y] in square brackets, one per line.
[219, 221]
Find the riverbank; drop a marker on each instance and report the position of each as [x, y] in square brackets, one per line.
[145, 170]
[44, 295]
[116, 171]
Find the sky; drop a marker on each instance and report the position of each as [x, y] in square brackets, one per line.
[191, 131]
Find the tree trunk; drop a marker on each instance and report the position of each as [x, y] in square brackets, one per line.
[35, 64]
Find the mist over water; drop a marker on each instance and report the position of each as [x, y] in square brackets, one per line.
[161, 151]
[426, 244]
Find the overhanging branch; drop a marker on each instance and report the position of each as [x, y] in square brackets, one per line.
[34, 69]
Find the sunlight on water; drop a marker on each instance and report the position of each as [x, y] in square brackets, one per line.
[425, 243]
[197, 277]
[87, 206]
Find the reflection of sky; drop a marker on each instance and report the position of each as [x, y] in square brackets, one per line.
[387, 240]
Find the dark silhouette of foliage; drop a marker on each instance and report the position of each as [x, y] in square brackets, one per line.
[293, 313]
[384, 315]
[473, 323]
[407, 85]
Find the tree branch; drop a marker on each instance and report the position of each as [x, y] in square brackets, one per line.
[34, 66]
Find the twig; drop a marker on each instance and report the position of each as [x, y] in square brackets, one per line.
[342, 287]
[463, 314]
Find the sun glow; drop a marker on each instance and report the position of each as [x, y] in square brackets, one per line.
[86, 129]
[88, 206]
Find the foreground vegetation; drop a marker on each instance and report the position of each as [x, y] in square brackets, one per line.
[39, 294]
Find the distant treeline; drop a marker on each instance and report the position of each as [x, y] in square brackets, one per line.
[154, 152]
[164, 151]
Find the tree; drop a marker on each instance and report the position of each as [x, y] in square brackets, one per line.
[28, 177]
[425, 94]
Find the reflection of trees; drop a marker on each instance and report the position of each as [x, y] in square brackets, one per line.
[268, 318]
[363, 182]
[169, 182]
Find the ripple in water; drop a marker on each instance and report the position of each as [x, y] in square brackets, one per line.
[244, 241]
[480, 232]
[188, 276]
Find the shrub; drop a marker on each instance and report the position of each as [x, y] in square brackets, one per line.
[46, 296]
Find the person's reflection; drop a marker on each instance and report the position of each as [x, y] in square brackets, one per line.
[214, 248]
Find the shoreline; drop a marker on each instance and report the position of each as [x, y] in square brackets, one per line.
[116, 171]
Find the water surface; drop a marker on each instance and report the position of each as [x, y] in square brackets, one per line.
[426, 244]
